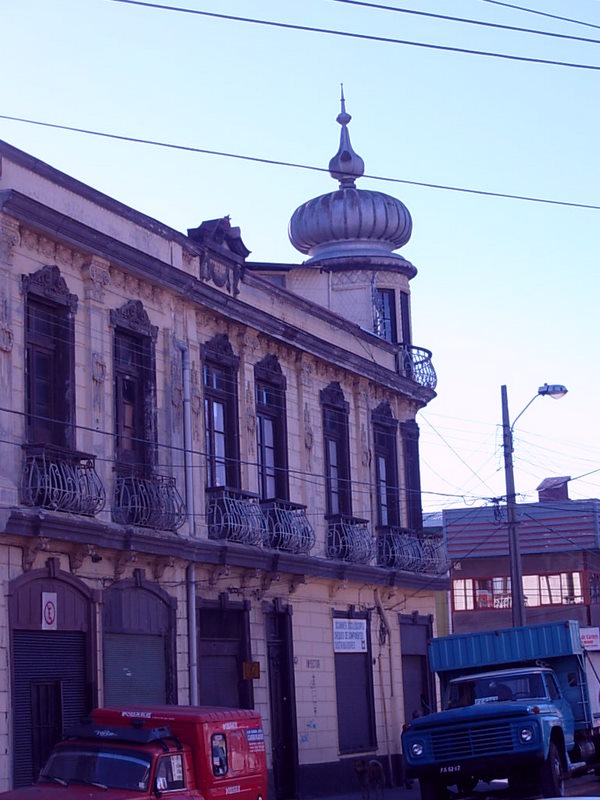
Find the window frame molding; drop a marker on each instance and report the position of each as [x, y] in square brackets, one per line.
[132, 320]
[46, 287]
[218, 352]
[385, 425]
[268, 373]
[333, 400]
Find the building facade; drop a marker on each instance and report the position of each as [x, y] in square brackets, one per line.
[559, 542]
[209, 483]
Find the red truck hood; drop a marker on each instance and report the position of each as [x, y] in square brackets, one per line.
[76, 791]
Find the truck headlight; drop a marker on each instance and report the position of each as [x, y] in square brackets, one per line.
[526, 735]
[416, 749]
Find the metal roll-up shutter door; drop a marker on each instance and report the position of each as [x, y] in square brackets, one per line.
[49, 694]
[134, 669]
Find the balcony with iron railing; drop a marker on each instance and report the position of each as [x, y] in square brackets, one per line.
[234, 515]
[287, 527]
[405, 549]
[349, 539]
[60, 479]
[147, 501]
[415, 363]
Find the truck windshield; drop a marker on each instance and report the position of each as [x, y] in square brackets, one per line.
[115, 768]
[495, 688]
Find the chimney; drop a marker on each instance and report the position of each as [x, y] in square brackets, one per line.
[553, 489]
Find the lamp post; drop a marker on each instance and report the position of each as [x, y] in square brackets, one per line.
[516, 572]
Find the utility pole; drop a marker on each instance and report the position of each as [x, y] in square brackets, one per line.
[516, 570]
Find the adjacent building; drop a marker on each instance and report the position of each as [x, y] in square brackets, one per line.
[209, 473]
[559, 543]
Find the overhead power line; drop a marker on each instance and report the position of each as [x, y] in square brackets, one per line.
[466, 21]
[353, 35]
[296, 165]
[542, 13]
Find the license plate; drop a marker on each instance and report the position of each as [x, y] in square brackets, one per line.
[452, 769]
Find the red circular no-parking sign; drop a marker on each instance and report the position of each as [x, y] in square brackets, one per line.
[49, 612]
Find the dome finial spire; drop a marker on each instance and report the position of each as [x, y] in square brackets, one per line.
[346, 165]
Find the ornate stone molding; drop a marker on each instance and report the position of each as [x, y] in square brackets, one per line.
[308, 431]
[10, 236]
[6, 334]
[333, 395]
[269, 370]
[134, 317]
[96, 272]
[98, 368]
[223, 275]
[47, 282]
[219, 349]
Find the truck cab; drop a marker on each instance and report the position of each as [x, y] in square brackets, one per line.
[130, 753]
[515, 705]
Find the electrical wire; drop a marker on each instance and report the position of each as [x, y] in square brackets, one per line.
[466, 21]
[295, 165]
[363, 36]
[541, 13]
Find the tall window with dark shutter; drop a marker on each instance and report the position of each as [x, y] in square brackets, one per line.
[135, 389]
[405, 318]
[385, 431]
[49, 345]
[412, 474]
[337, 456]
[385, 314]
[220, 414]
[271, 435]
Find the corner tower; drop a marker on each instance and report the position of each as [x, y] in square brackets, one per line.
[351, 236]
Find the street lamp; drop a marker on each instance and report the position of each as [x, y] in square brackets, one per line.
[555, 390]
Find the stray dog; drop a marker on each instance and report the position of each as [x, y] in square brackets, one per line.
[371, 777]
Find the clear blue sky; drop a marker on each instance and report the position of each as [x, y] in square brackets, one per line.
[507, 290]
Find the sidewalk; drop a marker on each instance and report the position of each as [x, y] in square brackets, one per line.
[390, 793]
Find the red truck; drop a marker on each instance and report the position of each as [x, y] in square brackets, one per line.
[134, 752]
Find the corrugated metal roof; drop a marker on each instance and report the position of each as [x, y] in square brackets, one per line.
[543, 528]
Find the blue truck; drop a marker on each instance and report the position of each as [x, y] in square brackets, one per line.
[515, 705]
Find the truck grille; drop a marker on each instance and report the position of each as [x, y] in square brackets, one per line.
[451, 745]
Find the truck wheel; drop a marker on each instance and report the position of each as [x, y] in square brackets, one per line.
[466, 785]
[552, 777]
[432, 789]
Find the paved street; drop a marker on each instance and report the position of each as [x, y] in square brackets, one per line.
[583, 786]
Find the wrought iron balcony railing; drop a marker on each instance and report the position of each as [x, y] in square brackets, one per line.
[415, 363]
[234, 515]
[148, 501]
[61, 480]
[287, 527]
[400, 548]
[349, 539]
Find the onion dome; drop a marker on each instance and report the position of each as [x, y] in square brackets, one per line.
[349, 222]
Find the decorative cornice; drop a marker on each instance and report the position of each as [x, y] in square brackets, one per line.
[133, 317]
[56, 527]
[269, 370]
[47, 282]
[152, 269]
[333, 395]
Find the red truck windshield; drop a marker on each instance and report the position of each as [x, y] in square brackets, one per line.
[99, 765]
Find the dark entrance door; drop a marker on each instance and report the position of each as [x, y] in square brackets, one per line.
[283, 703]
[415, 632]
[223, 646]
[50, 694]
